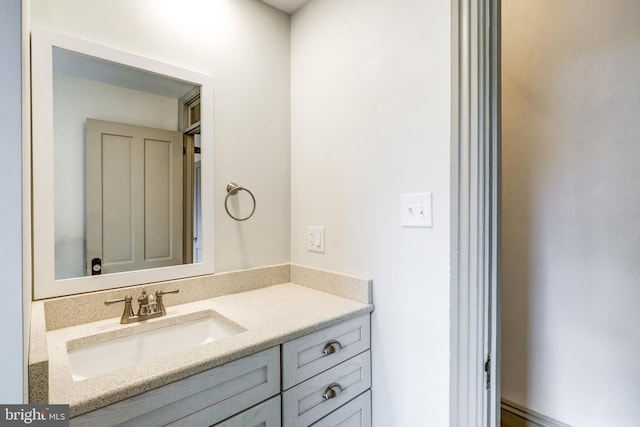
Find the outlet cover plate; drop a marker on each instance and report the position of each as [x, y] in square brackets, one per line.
[315, 239]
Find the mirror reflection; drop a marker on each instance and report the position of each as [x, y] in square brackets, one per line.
[126, 168]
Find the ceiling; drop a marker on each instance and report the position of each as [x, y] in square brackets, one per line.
[288, 6]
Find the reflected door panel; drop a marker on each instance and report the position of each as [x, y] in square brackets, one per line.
[197, 213]
[134, 197]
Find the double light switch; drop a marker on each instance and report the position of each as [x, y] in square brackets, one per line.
[416, 210]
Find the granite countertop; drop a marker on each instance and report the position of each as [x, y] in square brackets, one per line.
[269, 316]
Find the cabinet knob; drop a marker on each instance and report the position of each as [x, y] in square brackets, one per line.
[332, 391]
[332, 347]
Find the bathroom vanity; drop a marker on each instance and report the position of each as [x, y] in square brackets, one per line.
[284, 345]
[281, 354]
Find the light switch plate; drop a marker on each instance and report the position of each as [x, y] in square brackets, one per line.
[416, 210]
[315, 239]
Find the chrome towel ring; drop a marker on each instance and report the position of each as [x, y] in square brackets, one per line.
[232, 190]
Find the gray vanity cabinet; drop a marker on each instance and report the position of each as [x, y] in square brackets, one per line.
[321, 379]
[326, 377]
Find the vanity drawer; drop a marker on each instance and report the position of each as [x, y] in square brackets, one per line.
[200, 400]
[356, 413]
[311, 400]
[305, 357]
[266, 414]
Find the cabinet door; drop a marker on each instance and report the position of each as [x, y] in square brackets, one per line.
[356, 413]
[311, 400]
[311, 354]
[200, 400]
[266, 414]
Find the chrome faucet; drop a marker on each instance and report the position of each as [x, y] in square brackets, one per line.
[149, 306]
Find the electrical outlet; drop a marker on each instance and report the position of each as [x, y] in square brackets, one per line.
[315, 239]
[416, 210]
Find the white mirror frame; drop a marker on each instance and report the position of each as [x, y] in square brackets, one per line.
[45, 284]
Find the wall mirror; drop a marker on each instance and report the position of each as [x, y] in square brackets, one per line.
[122, 152]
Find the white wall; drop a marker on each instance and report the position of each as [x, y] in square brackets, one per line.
[571, 209]
[244, 44]
[75, 100]
[370, 121]
[11, 339]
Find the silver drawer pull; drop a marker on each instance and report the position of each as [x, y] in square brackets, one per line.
[331, 347]
[332, 391]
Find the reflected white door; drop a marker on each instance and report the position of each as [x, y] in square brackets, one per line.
[134, 197]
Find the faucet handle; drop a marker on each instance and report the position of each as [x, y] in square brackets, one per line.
[127, 314]
[159, 294]
[126, 299]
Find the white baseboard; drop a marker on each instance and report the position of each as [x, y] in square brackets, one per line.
[529, 415]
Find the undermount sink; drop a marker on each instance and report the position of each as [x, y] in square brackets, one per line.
[111, 354]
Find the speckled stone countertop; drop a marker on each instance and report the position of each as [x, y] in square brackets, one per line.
[265, 317]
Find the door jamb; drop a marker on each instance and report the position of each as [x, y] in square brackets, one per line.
[475, 208]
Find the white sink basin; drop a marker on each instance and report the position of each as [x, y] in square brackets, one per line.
[111, 354]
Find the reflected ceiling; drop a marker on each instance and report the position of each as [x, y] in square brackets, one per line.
[288, 6]
[95, 69]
